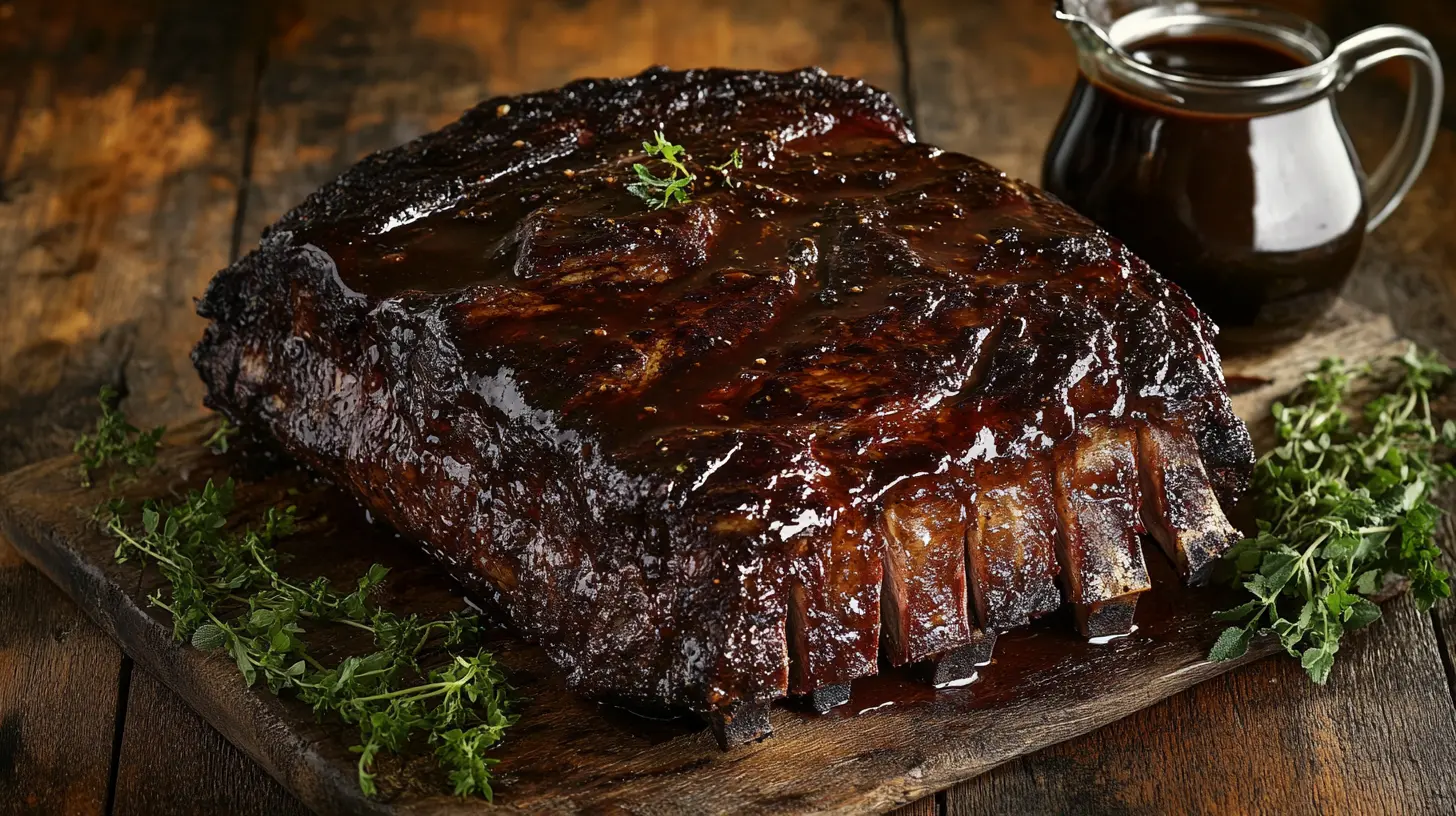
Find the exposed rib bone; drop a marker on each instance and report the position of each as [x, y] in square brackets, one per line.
[962, 663]
[924, 602]
[826, 697]
[1097, 512]
[834, 607]
[743, 722]
[1179, 507]
[1010, 545]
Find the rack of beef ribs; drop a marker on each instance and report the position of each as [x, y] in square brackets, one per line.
[860, 399]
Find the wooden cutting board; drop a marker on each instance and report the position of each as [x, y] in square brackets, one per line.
[896, 740]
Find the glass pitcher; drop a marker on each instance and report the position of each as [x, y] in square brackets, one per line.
[1204, 135]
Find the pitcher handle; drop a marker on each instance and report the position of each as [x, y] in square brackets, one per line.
[1398, 171]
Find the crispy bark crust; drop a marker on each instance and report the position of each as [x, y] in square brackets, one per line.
[702, 453]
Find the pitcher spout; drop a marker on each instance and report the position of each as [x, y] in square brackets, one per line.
[1086, 21]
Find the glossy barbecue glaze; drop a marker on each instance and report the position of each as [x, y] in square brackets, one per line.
[869, 396]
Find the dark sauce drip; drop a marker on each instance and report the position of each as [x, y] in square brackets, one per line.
[1259, 218]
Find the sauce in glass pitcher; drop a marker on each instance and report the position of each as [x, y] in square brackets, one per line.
[1260, 217]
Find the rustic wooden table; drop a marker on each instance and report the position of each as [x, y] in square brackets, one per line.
[143, 145]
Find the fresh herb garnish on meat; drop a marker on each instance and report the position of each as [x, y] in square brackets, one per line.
[1345, 511]
[116, 441]
[660, 192]
[424, 680]
[733, 162]
[218, 441]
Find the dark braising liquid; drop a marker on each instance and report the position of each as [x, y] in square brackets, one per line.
[1259, 218]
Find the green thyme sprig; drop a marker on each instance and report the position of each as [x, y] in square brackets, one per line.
[116, 442]
[661, 192]
[657, 191]
[424, 679]
[224, 593]
[733, 162]
[218, 441]
[1346, 511]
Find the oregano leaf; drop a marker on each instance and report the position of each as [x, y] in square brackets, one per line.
[1234, 642]
[1344, 503]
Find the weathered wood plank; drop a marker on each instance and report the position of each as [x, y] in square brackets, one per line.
[59, 62]
[120, 172]
[989, 78]
[120, 143]
[929, 806]
[572, 756]
[58, 695]
[55, 740]
[1408, 267]
[173, 763]
[1261, 739]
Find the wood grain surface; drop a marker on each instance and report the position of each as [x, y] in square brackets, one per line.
[142, 144]
[58, 697]
[151, 773]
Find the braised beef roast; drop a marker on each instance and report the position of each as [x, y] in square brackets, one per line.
[860, 398]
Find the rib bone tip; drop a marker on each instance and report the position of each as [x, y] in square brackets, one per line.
[961, 663]
[1110, 617]
[741, 723]
[824, 698]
